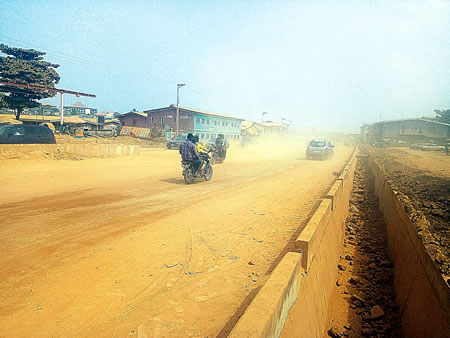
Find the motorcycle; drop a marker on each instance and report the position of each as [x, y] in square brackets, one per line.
[215, 157]
[205, 172]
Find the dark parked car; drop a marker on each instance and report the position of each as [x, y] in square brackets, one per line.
[175, 142]
[22, 133]
[321, 149]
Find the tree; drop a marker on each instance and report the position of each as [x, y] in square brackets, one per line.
[443, 115]
[27, 67]
[2, 102]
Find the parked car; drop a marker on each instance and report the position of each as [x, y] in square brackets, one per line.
[427, 146]
[175, 142]
[432, 146]
[380, 143]
[416, 146]
[23, 133]
[319, 149]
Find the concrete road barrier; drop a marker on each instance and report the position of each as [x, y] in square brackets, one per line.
[88, 150]
[269, 309]
[311, 272]
[422, 294]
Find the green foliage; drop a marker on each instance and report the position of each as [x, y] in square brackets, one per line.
[157, 132]
[2, 103]
[443, 115]
[25, 66]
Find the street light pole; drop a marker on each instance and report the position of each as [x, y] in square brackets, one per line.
[62, 112]
[178, 109]
[262, 116]
[282, 126]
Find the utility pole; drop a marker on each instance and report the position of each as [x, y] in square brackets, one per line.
[57, 90]
[178, 109]
[262, 116]
[62, 111]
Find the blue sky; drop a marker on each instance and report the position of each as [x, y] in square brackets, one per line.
[323, 64]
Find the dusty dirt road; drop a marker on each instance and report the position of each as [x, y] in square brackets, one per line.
[122, 246]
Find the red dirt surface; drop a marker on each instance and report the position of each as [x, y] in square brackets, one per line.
[122, 246]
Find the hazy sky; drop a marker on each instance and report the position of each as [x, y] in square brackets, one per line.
[323, 64]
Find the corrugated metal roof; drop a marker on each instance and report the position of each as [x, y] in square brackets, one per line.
[137, 113]
[78, 105]
[412, 119]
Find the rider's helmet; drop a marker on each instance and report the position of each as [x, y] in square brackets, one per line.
[189, 137]
[195, 139]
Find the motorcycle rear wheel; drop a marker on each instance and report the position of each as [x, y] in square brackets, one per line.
[189, 176]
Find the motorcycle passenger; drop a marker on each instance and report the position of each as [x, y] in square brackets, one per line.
[201, 150]
[189, 153]
[200, 147]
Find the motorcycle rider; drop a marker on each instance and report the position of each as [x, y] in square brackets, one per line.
[189, 153]
[222, 146]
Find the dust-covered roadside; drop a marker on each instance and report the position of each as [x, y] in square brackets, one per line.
[424, 191]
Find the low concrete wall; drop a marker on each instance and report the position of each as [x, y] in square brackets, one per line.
[422, 295]
[266, 315]
[312, 277]
[90, 150]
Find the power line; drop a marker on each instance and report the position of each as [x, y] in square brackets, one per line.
[77, 60]
[63, 55]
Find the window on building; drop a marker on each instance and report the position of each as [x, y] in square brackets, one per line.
[207, 136]
[134, 122]
[213, 136]
[161, 120]
[419, 130]
[197, 120]
[203, 121]
[223, 123]
[207, 121]
[150, 119]
[202, 135]
[402, 130]
[190, 117]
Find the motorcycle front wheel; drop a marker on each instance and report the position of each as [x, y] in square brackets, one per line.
[209, 173]
[189, 176]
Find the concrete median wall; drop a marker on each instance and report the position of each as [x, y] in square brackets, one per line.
[294, 300]
[422, 295]
[88, 150]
